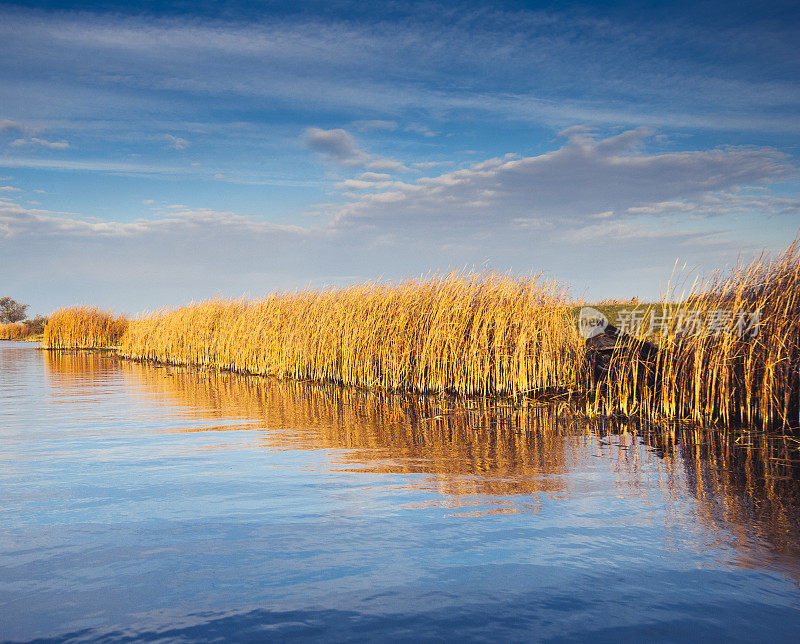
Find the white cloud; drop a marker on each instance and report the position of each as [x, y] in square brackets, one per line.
[427, 165]
[371, 184]
[584, 177]
[374, 176]
[53, 145]
[7, 125]
[339, 146]
[176, 142]
[621, 231]
[17, 220]
[354, 184]
[531, 223]
[140, 169]
[9, 189]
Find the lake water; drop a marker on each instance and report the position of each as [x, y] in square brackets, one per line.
[143, 503]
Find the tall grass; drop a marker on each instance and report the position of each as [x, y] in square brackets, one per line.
[730, 376]
[13, 331]
[475, 334]
[490, 335]
[83, 327]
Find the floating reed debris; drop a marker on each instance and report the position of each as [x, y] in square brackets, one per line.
[83, 327]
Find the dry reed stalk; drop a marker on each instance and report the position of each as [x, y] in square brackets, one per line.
[13, 331]
[83, 328]
[474, 334]
[725, 378]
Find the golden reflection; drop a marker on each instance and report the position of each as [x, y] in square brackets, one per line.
[470, 448]
[746, 481]
[79, 367]
[745, 486]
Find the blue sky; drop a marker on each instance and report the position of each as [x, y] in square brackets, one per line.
[154, 153]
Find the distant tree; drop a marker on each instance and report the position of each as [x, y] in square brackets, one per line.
[36, 325]
[11, 310]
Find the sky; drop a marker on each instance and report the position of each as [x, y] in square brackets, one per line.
[156, 153]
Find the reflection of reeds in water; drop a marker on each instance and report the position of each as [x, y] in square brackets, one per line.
[80, 366]
[744, 483]
[749, 482]
[473, 448]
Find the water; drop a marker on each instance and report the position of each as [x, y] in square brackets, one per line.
[148, 503]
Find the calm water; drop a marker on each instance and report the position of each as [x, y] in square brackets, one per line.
[145, 503]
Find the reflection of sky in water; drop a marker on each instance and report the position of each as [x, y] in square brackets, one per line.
[138, 499]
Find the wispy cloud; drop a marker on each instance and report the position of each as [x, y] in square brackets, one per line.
[339, 146]
[17, 220]
[585, 176]
[53, 145]
[376, 124]
[7, 125]
[193, 170]
[176, 142]
[418, 128]
[427, 165]
[539, 66]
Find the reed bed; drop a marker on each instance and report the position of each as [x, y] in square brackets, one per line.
[493, 335]
[83, 327]
[472, 334]
[742, 366]
[13, 331]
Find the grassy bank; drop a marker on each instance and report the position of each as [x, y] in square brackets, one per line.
[728, 353]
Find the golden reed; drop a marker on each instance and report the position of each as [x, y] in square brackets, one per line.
[13, 331]
[470, 334]
[490, 335]
[735, 375]
[83, 327]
